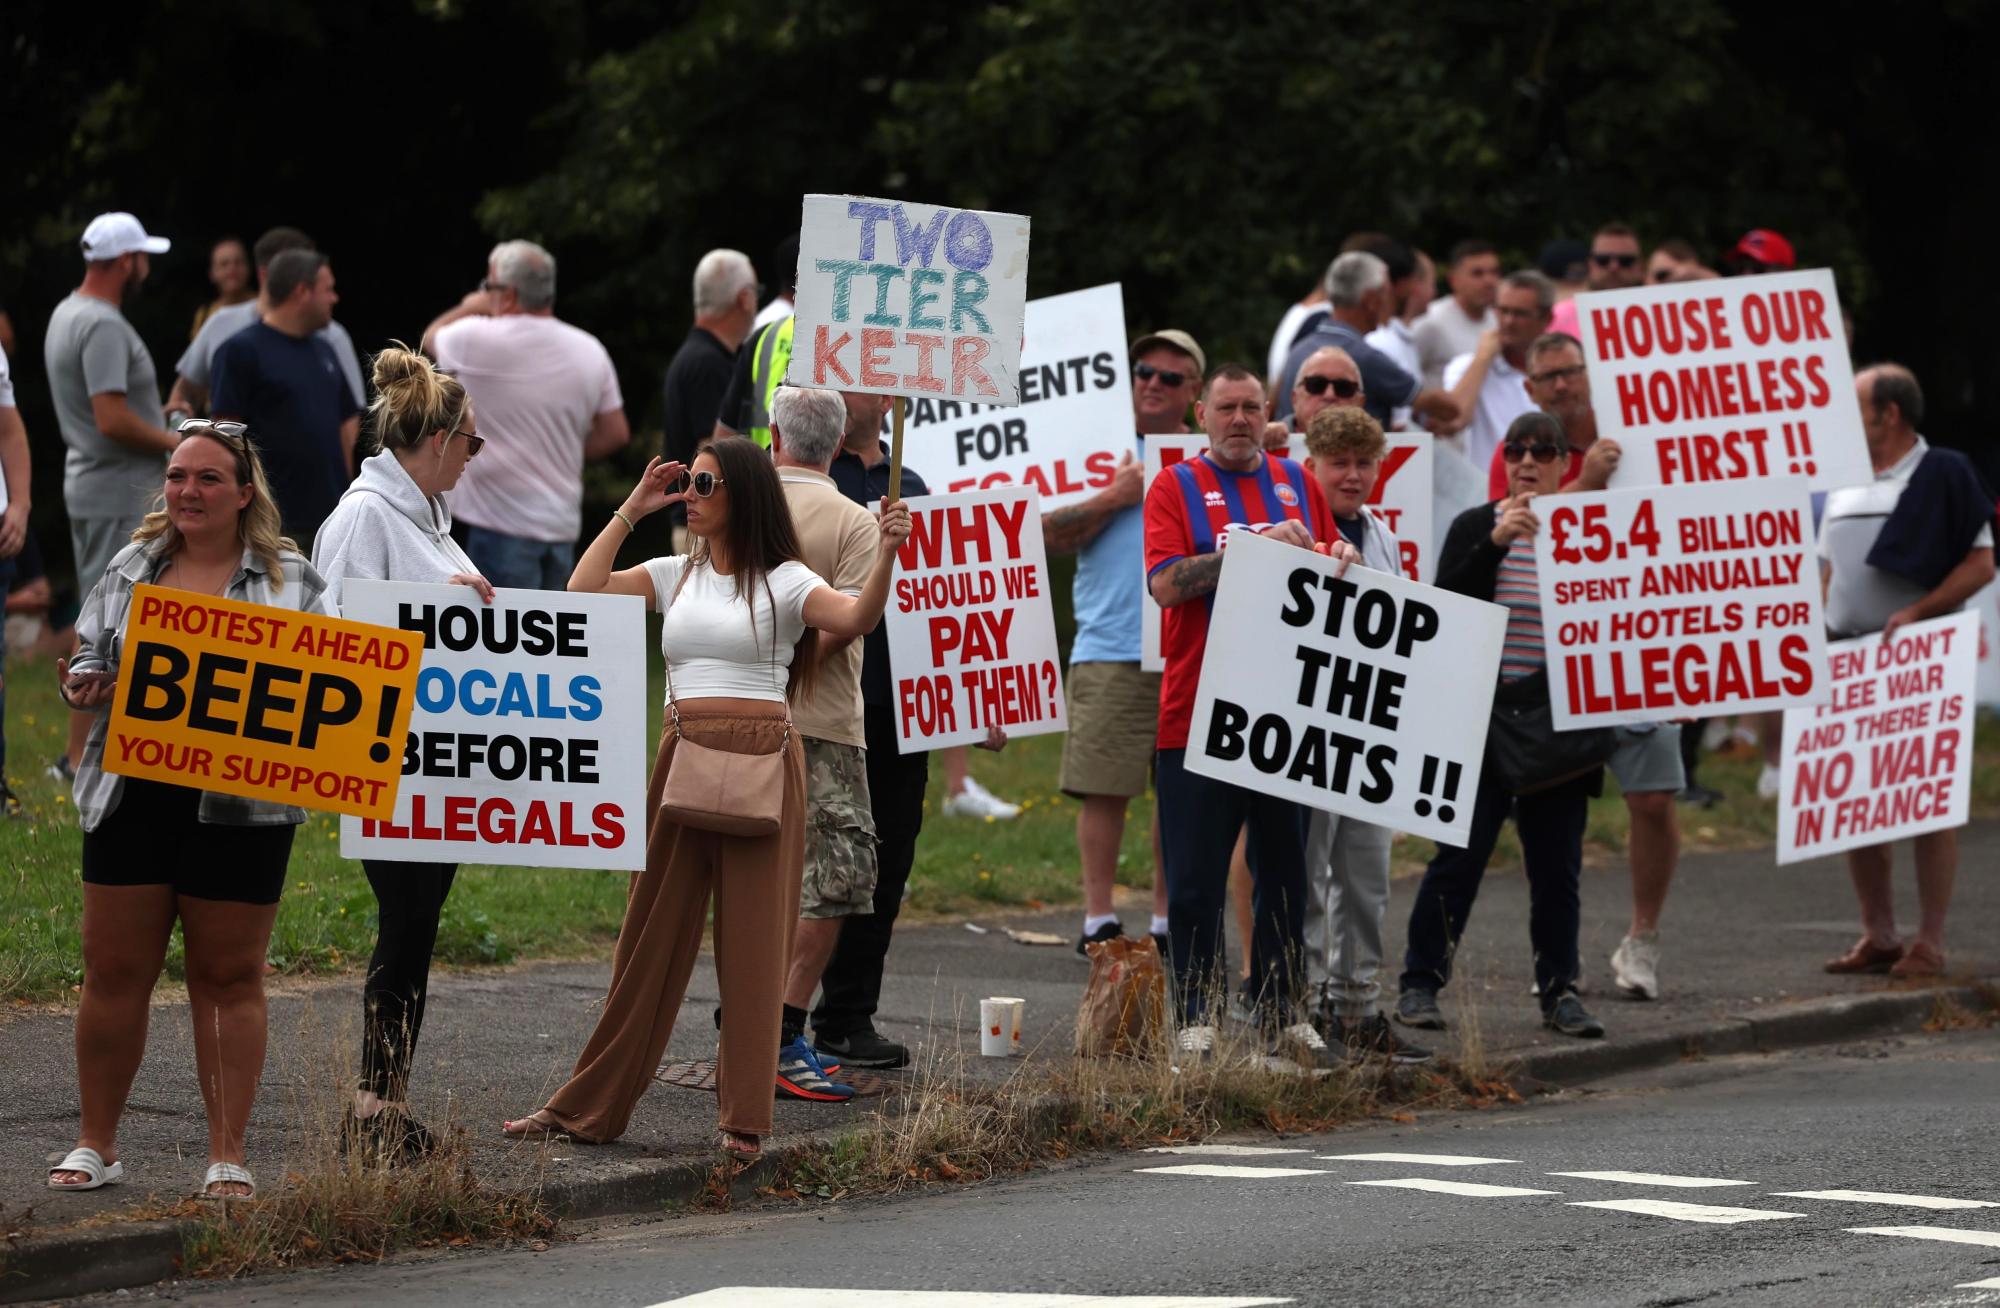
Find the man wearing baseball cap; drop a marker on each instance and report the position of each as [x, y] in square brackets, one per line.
[1114, 705]
[107, 401]
[1762, 251]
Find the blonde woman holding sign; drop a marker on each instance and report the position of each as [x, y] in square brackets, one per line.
[740, 636]
[154, 852]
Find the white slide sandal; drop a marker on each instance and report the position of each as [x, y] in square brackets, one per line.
[227, 1172]
[91, 1164]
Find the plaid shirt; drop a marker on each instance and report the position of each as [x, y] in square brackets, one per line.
[100, 633]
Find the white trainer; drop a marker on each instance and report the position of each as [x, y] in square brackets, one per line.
[977, 801]
[1635, 965]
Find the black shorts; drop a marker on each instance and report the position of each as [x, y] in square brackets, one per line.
[155, 837]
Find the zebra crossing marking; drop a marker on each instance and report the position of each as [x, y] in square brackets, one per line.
[1467, 1188]
[1655, 1178]
[1711, 1214]
[1882, 1197]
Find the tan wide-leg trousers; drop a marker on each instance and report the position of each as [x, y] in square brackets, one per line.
[755, 884]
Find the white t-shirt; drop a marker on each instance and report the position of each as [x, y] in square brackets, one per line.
[1503, 397]
[536, 384]
[779, 307]
[1444, 333]
[706, 636]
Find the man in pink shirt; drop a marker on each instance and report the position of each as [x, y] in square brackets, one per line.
[548, 402]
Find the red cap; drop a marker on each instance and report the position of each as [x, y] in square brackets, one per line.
[1766, 247]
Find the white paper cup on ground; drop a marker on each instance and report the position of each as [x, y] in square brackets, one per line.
[1016, 1008]
[996, 1028]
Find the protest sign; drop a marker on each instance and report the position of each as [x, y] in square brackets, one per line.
[527, 747]
[1402, 495]
[1680, 601]
[909, 299]
[1890, 755]
[1366, 695]
[1725, 380]
[1161, 452]
[1075, 416]
[972, 635]
[266, 703]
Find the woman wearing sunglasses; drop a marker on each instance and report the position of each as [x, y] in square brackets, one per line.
[392, 525]
[154, 852]
[740, 636]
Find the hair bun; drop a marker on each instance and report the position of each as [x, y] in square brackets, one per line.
[399, 365]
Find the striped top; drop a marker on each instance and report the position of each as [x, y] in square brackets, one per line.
[1514, 586]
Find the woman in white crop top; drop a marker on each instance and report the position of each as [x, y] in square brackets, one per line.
[740, 636]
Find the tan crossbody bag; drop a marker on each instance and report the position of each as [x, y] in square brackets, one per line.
[716, 790]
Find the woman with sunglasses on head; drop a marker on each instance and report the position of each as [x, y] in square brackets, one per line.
[392, 525]
[740, 636]
[154, 852]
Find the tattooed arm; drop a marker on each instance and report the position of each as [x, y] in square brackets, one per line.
[1069, 529]
[1187, 579]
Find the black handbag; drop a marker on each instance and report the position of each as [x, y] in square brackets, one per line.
[1524, 749]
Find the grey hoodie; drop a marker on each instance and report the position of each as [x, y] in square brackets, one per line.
[385, 529]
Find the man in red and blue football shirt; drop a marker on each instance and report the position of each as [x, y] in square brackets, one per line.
[1190, 512]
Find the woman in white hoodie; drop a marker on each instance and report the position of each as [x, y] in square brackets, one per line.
[392, 524]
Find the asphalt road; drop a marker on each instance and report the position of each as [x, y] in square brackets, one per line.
[1907, 1126]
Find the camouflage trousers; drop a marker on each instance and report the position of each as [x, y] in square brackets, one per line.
[840, 832]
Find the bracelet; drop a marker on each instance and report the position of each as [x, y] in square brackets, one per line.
[620, 515]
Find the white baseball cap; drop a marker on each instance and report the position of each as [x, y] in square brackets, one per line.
[112, 234]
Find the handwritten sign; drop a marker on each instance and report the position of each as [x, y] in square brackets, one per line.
[266, 703]
[972, 635]
[1161, 452]
[1725, 380]
[1680, 601]
[910, 299]
[1890, 754]
[527, 747]
[1366, 694]
[1075, 415]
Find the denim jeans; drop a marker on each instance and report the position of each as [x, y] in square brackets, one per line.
[1199, 819]
[1550, 823]
[519, 564]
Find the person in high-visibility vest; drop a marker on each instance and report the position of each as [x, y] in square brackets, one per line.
[761, 364]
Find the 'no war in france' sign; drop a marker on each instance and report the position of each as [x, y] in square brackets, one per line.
[910, 299]
[1366, 695]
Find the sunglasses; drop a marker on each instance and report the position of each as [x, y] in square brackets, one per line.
[1621, 260]
[1345, 388]
[701, 483]
[230, 430]
[1570, 373]
[490, 285]
[1146, 372]
[1540, 453]
[474, 442]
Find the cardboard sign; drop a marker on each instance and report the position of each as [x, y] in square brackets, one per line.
[972, 635]
[1725, 380]
[1402, 495]
[1366, 695]
[1675, 602]
[1075, 416]
[1890, 755]
[1161, 452]
[527, 747]
[910, 299]
[266, 703]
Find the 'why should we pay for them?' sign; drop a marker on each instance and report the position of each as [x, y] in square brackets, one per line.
[972, 636]
[527, 747]
[266, 703]
[910, 299]
[1890, 756]
[1680, 601]
[1725, 380]
[1366, 695]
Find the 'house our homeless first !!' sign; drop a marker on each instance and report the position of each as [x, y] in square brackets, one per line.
[909, 299]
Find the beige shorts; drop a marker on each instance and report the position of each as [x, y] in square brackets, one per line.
[840, 832]
[1114, 724]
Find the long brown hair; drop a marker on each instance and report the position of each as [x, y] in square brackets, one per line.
[758, 536]
[259, 526]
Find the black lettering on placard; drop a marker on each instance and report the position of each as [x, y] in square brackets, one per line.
[1313, 754]
[330, 702]
[207, 692]
[159, 668]
[536, 759]
[1378, 620]
[499, 631]
[264, 699]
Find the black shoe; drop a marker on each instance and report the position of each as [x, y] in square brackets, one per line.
[1419, 1008]
[864, 1048]
[1163, 943]
[1109, 931]
[1372, 1037]
[1701, 796]
[391, 1133]
[1567, 1016]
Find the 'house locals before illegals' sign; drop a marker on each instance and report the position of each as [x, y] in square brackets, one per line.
[909, 299]
[1366, 694]
[1890, 754]
[972, 635]
[1725, 380]
[1680, 601]
[527, 746]
[269, 704]
[1075, 415]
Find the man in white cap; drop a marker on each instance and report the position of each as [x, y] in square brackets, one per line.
[107, 400]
